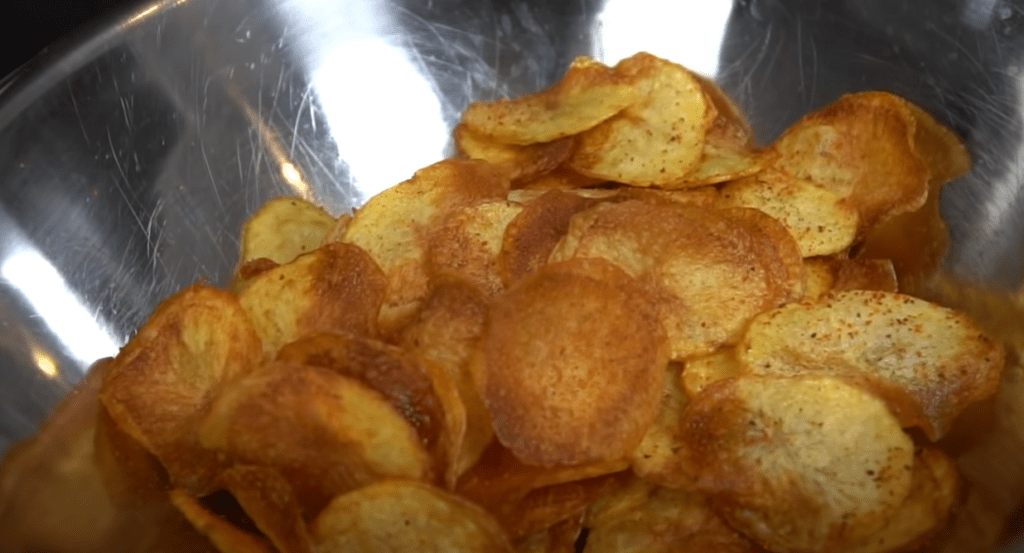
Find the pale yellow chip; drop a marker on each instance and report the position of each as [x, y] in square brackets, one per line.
[927, 361]
[406, 516]
[467, 243]
[324, 432]
[822, 222]
[589, 93]
[335, 288]
[283, 229]
[798, 464]
[657, 141]
[711, 270]
[838, 273]
[390, 227]
[934, 493]
[657, 459]
[729, 151]
[161, 383]
[702, 371]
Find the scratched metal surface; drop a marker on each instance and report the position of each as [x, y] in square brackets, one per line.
[132, 153]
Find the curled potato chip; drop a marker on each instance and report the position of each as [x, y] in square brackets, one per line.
[839, 273]
[269, 500]
[798, 464]
[560, 538]
[574, 360]
[710, 270]
[337, 287]
[589, 93]
[545, 507]
[391, 225]
[226, 537]
[729, 151]
[927, 361]
[863, 149]
[468, 242]
[161, 383]
[324, 432]
[656, 141]
[406, 516]
[522, 162]
[702, 371]
[657, 459]
[283, 229]
[934, 487]
[822, 222]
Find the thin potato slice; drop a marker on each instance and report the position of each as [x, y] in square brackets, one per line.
[160, 385]
[522, 162]
[391, 225]
[406, 516]
[711, 270]
[545, 507]
[589, 93]
[928, 362]
[700, 372]
[324, 432]
[560, 538]
[335, 288]
[657, 141]
[863, 149]
[468, 242]
[574, 361]
[283, 229]
[798, 464]
[658, 459]
[934, 491]
[226, 537]
[561, 178]
[729, 151]
[269, 500]
[821, 221]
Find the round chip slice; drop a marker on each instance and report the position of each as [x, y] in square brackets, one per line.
[798, 464]
[406, 516]
[574, 360]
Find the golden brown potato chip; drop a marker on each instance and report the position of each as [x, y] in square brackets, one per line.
[863, 149]
[589, 93]
[560, 538]
[701, 371]
[561, 178]
[283, 229]
[336, 288]
[390, 227]
[928, 362]
[226, 537]
[822, 222]
[657, 141]
[133, 477]
[649, 519]
[161, 383]
[522, 162]
[657, 458]
[545, 507]
[574, 360]
[729, 151]
[710, 270]
[467, 243]
[324, 432]
[269, 500]
[934, 487]
[389, 370]
[798, 464]
[406, 516]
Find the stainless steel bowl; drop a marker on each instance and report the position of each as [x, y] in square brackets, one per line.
[131, 153]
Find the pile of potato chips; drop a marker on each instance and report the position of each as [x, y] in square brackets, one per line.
[612, 325]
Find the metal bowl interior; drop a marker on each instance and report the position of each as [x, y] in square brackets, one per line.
[131, 154]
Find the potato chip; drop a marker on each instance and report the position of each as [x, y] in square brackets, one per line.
[560, 178]
[406, 516]
[283, 229]
[710, 270]
[560, 538]
[574, 357]
[657, 141]
[269, 500]
[390, 227]
[822, 222]
[160, 384]
[523, 163]
[545, 507]
[729, 151]
[227, 537]
[324, 432]
[657, 458]
[699, 372]
[934, 487]
[798, 464]
[133, 477]
[467, 243]
[589, 93]
[863, 149]
[649, 519]
[927, 361]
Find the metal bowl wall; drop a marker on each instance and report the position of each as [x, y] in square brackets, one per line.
[131, 154]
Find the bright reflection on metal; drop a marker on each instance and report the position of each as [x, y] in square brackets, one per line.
[978, 13]
[63, 312]
[685, 32]
[46, 363]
